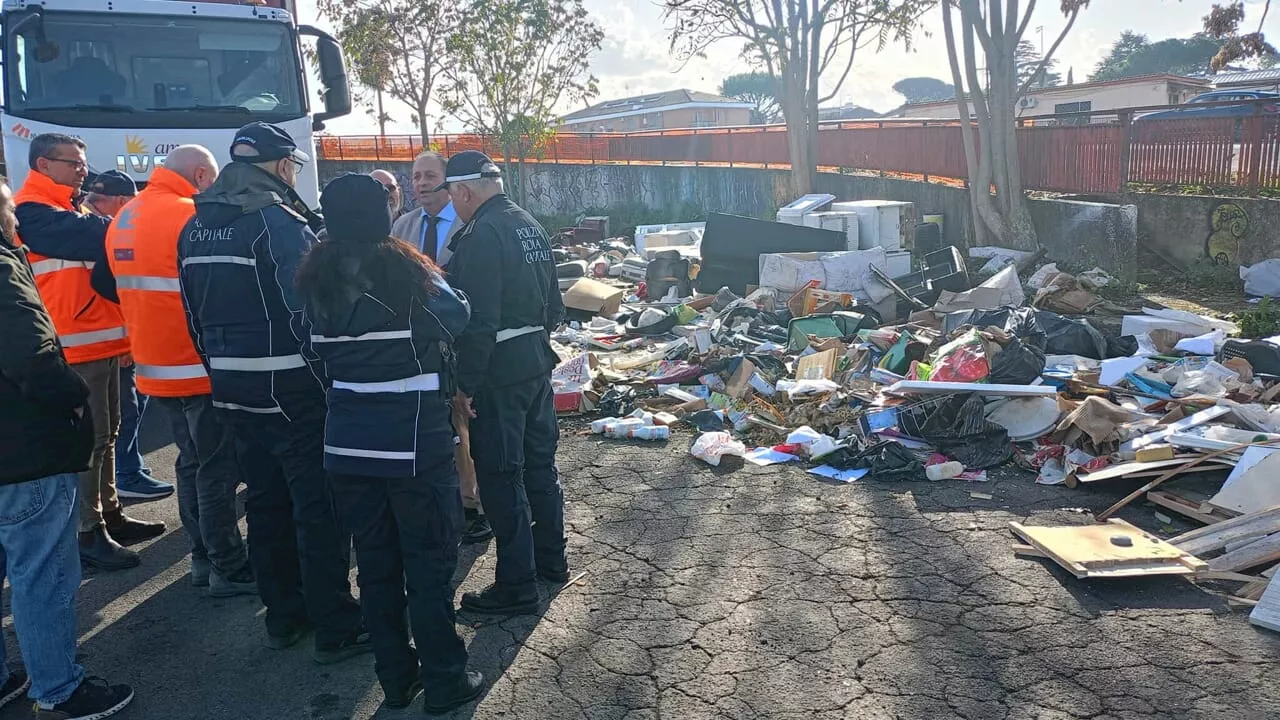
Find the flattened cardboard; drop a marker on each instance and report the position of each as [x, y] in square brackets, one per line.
[594, 297]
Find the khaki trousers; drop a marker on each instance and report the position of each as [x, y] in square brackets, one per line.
[98, 483]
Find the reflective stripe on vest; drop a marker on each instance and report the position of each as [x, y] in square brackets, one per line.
[383, 335]
[376, 454]
[91, 337]
[513, 333]
[171, 372]
[245, 408]
[147, 282]
[219, 260]
[44, 267]
[429, 382]
[266, 364]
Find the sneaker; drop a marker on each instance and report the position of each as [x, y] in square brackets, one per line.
[13, 688]
[200, 569]
[448, 696]
[98, 550]
[477, 530]
[127, 531]
[141, 486]
[241, 582]
[502, 600]
[358, 643]
[288, 638]
[397, 700]
[93, 700]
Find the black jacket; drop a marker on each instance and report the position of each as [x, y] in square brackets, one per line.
[237, 260]
[389, 358]
[41, 433]
[502, 262]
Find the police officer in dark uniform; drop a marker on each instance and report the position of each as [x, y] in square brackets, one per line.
[502, 262]
[237, 261]
[383, 321]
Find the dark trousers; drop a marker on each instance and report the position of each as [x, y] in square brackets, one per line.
[406, 534]
[300, 556]
[513, 442]
[208, 476]
[133, 404]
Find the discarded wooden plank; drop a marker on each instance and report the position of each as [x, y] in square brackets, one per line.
[1267, 612]
[1092, 551]
[1181, 506]
[1174, 473]
[1029, 551]
[1138, 469]
[1212, 574]
[1254, 590]
[1237, 600]
[1202, 541]
[1252, 490]
[1259, 552]
[925, 387]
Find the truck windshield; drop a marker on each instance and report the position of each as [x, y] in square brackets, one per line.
[151, 71]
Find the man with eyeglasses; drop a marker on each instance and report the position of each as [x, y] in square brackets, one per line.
[237, 259]
[64, 243]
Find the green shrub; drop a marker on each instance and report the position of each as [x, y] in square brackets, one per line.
[1261, 322]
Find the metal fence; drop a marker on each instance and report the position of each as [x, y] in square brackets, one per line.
[1103, 152]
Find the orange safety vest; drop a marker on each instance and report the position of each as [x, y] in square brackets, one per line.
[89, 326]
[142, 248]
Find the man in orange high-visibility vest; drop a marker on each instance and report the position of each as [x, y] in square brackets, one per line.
[142, 251]
[63, 243]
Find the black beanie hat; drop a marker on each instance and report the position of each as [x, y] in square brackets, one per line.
[355, 209]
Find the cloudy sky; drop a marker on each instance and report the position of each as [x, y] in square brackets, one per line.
[635, 58]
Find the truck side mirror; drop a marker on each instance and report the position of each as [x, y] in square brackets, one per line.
[333, 75]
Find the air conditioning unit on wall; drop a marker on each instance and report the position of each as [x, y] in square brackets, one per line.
[1027, 102]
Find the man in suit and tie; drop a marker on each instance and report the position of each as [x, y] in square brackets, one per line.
[430, 228]
[432, 225]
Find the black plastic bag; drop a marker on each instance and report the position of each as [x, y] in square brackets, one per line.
[1123, 346]
[1016, 364]
[888, 460]
[957, 426]
[1065, 336]
[1018, 322]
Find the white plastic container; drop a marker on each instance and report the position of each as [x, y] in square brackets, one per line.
[651, 432]
[944, 471]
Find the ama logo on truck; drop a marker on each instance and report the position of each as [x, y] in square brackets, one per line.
[140, 160]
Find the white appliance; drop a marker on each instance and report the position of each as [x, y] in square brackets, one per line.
[881, 223]
[844, 222]
[897, 263]
[793, 212]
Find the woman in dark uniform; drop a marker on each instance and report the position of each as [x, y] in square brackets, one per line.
[383, 321]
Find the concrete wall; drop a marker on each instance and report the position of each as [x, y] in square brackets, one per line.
[1079, 234]
[1189, 228]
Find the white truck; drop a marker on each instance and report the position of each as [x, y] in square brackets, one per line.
[136, 78]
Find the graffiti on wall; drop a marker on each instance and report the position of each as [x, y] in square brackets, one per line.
[1228, 224]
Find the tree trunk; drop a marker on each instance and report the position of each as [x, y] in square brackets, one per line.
[422, 125]
[523, 184]
[794, 112]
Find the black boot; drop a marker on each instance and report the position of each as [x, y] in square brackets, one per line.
[477, 529]
[98, 550]
[446, 696]
[398, 699]
[127, 531]
[498, 599]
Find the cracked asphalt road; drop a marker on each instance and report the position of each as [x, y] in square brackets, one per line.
[738, 592]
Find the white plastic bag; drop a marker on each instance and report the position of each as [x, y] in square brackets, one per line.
[710, 447]
[1262, 279]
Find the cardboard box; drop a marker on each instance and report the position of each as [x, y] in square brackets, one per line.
[594, 297]
[818, 366]
[845, 271]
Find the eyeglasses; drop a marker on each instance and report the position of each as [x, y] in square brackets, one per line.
[77, 164]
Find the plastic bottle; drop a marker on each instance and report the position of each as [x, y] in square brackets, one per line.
[944, 471]
[621, 428]
[598, 426]
[651, 432]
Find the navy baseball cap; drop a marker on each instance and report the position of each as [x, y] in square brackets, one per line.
[468, 165]
[270, 142]
[355, 209]
[111, 182]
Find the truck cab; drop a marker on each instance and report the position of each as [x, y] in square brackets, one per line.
[136, 78]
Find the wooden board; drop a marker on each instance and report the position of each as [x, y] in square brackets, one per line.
[1267, 612]
[1182, 506]
[1215, 537]
[1259, 552]
[1256, 489]
[1088, 552]
[1143, 469]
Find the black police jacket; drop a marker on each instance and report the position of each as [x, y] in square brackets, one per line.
[388, 357]
[502, 261]
[41, 432]
[237, 260]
